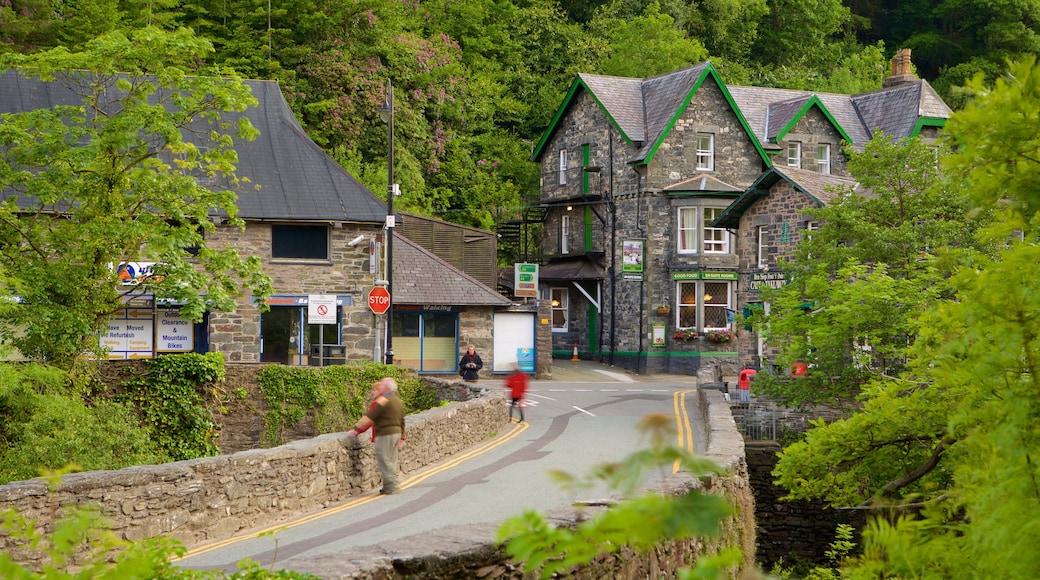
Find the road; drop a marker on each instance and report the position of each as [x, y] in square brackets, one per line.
[587, 416]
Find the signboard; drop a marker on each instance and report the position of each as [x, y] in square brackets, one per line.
[657, 334]
[321, 309]
[173, 333]
[525, 359]
[525, 280]
[130, 334]
[632, 256]
[759, 280]
[704, 275]
[379, 300]
[133, 273]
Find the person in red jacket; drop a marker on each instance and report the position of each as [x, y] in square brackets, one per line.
[517, 385]
[744, 384]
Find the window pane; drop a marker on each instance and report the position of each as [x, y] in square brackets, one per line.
[306, 242]
[439, 352]
[706, 151]
[715, 239]
[559, 308]
[794, 154]
[716, 301]
[688, 305]
[688, 229]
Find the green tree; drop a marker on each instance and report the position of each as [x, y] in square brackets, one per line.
[856, 287]
[115, 179]
[952, 442]
[643, 46]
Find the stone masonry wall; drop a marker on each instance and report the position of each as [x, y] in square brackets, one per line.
[237, 334]
[782, 207]
[205, 499]
[208, 499]
[790, 530]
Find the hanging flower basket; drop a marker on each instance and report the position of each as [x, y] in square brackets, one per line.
[685, 335]
[664, 309]
[721, 335]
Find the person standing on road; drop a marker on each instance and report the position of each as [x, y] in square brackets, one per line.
[469, 364]
[744, 384]
[517, 385]
[386, 417]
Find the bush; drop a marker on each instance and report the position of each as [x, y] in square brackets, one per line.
[41, 428]
[169, 401]
[337, 395]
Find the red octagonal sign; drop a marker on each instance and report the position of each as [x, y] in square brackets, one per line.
[379, 300]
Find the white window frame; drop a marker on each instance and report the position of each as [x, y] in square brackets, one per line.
[563, 167]
[715, 240]
[716, 302]
[686, 226]
[794, 154]
[559, 303]
[706, 151]
[762, 245]
[823, 158]
[565, 233]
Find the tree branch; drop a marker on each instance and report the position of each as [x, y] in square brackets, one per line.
[916, 474]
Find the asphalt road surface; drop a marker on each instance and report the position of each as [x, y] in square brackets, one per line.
[584, 417]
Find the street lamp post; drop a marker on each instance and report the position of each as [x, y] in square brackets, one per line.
[386, 113]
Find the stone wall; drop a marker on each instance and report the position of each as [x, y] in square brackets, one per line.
[208, 499]
[795, 531]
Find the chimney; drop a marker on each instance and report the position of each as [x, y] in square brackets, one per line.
[902, 70]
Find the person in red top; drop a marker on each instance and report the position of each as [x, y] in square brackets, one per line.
[517, 385]
[744, 384]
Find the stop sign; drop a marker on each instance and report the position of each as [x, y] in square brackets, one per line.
[379, 300]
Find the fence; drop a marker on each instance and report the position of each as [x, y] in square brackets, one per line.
[756, 422]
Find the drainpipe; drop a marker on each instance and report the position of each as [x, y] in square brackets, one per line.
[613, 241]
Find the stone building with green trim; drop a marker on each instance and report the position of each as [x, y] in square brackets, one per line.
[664, 199]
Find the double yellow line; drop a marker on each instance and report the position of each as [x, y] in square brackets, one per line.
[682, 424]
[408, 482]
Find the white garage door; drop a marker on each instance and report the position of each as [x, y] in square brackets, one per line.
[513, 330]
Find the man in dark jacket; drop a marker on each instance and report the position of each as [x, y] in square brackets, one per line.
[469, 364]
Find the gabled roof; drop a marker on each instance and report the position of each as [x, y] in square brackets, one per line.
[420, 277]
[782, 117]
[644, 110]
[901, 110]
[820, 189]
[296, 179]
[702, 183]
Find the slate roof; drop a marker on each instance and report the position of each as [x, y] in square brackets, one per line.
[420, 277]
[580, 268]
[643, 109]
[297, 180]
[702, 183]
[820, 189]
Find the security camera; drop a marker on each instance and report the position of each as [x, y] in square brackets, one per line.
[356, 241]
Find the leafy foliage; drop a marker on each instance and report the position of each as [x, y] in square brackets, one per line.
[639, 522]
[114, 180]
[337, 395]
[43, 426]
[951, 443]
[169, 399]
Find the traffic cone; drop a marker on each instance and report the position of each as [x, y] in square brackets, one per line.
[575, 355]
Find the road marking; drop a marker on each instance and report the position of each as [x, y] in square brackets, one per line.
[583, 390]
[583, 411]
[616, 376]
[371, 496]
[682, 424]
[542, 397]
